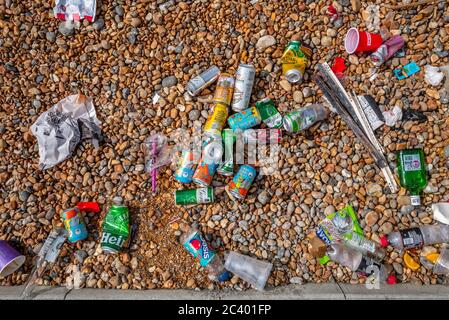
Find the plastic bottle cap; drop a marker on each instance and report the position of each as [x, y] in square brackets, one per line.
[224, 276]
[384, 241]
[391, 280]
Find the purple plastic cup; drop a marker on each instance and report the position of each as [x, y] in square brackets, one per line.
[10, 259]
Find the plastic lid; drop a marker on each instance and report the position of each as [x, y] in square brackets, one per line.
[391, 279]
[384, 241]
[224, 276]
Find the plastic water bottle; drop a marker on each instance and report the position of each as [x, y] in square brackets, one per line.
[417, 237]
[252, 270]
[360, 263]
[194, 242]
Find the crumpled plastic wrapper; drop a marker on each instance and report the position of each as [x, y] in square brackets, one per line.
[392, 116]
[60, 129]
[75, 10]
[433, 75]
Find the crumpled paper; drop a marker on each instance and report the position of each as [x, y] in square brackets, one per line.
[60, 129]
[75, 10]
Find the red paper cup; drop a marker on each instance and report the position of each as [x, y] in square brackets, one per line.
[360, 41]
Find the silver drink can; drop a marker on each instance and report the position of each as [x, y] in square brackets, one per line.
[200, 82]
[244, 80]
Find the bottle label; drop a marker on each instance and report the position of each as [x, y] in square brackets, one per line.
[366, 265]
[198, 247]
[412, 238]
[411, 162]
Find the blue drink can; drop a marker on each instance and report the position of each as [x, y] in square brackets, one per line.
[240, 185]
[74, 224]
[244, 120]
[187, 165]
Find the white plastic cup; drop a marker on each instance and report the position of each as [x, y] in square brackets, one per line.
[252, 270]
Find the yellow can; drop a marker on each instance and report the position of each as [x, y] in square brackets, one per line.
[224, 89]
[294, 62]
[216, 120]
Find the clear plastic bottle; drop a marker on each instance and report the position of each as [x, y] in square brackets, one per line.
[357, 262]
[417, 237]
[366, 246]
[195, 243]
[303, 118]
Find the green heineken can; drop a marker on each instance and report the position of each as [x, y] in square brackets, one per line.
[194, 196]
[269, 114]
[226, 168]
[115, 227]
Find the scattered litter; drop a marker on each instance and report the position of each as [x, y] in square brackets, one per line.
[75, 10]
[433, 75]
[406, 71]
[60, 129]
[339, 67]
[156, 147]
[392, 116]
[47, 255]
[361, 41]
[387, 50]
[372, 111]
[10, 259]
[413, 115]
[253, 271]
[155, 98]
[441, 212]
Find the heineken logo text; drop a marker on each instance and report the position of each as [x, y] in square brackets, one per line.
[111, 239]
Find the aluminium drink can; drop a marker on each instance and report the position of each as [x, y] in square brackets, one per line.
[216, 120]
[226, 168]
[245, 119]
[224, 89]
[240, 185]
[202, 81]
[74, 224]
[209, 163]
[294, 61]
[244, 80]
[187, 165]
[269, 114]
[194, 196]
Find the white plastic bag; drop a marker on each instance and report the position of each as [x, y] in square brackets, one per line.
[392, 116]
[433, 75]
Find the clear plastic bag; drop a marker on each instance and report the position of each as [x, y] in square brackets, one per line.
[157, 152]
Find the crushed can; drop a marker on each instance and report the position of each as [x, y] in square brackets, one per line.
[294, 61]
[245, 119]
[242, 181]
[224, 89]
[268, 113]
